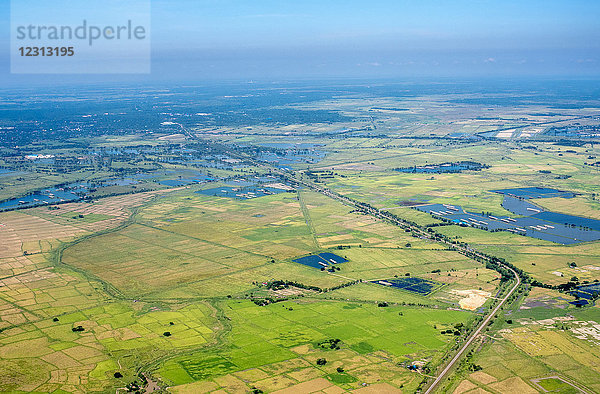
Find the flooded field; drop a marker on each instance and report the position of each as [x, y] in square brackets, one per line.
[534, 192]
[288, 158]
[445, 168]
[540, 225]
[6, 172]
[241, 193]
[81, 190]
[49, 196]
[588, 292]
[198, 178]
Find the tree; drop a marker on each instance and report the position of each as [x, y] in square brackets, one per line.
[321, 361]
[340, 369]
[167, 333]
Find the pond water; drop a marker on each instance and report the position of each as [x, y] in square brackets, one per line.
[45, 197]
[535, 192]
[587, 292]
[415, 285]
[241, 193]
[444, 168]
[80, 190]
[534, 226]
[320, 260]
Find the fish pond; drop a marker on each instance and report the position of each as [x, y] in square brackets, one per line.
[443, 168]
[321, 260]
[410, 283]
[539, 225]
[241, 193]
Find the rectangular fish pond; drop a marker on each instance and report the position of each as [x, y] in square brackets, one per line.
[416, 285]
[444, 168]
[241, 193]
[321, 260]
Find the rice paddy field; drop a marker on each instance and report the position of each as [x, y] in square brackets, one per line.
[277, 346]
[511, 168]
[215, 281]
[90, 289]
[129, 270]
[548, 346]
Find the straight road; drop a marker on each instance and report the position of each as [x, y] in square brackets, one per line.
[382, 214]
[474, 335]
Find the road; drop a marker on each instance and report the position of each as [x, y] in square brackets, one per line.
[382, 214]
[474, 335]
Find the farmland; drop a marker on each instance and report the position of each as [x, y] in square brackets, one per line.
[223, 255]
[160, 264]
[278, 346]
[544, 345]
[157, 271]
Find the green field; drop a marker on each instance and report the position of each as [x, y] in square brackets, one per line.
[116, 337]
[179, 287]
[262, 338]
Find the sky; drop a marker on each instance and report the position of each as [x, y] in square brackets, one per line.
[304, 39]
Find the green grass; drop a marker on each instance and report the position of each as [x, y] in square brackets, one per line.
[340, 378]
[267, 335]
[181, 252]
[557, 386]
[184, 248]
[111, 332]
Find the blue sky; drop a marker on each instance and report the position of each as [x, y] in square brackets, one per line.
[258, 39]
